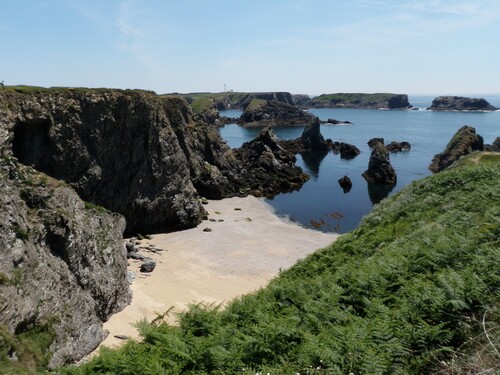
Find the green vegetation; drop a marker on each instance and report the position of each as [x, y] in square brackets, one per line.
[482, 158]
[255, 104]
[27, 352]
[415, 289]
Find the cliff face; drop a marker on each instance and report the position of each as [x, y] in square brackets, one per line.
[116, 148]
[368, 101]
[62, 264]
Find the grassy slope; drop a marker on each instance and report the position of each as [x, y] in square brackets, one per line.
[401, 294]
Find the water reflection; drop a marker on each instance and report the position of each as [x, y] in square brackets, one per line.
[312, 161]
[377, 192]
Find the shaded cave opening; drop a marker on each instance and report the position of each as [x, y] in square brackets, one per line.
[31, 144]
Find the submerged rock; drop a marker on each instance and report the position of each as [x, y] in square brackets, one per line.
[380, 170]
[463, 142]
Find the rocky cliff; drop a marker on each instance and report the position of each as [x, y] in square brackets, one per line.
[368, 101]
[117, 149]
[62, 267]
[460, 103]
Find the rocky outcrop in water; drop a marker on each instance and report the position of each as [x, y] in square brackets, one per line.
[460, 103]
[346, 184]
[374, 141]
[272, 167]
[380, 170]
[332, 121]
[273, 113]
[116, 148]
[395, 146]
[463, 142]
[310, 140]
[348, 151]
[217, 171]
[63, 264]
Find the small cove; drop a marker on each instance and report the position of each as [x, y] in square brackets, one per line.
[322, 200]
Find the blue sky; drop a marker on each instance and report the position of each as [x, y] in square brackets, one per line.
[302, 46]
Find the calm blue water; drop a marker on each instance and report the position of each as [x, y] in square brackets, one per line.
[321, 199]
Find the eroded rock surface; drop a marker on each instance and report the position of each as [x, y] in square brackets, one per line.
[116, 148]
[380, 170]
[62, 264]
[463, 142]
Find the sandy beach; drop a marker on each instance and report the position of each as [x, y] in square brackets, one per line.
[244, 248]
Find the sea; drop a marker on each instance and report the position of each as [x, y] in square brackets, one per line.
[321, 203]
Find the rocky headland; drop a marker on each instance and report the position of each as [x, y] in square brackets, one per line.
[81, 167]
[359, 101]
[460, 103]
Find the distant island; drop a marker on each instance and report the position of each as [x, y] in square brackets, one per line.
[460, 103]
[359, 101]
[239, 100]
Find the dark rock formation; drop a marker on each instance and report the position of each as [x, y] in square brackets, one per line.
[216, 170]
[374, 141]
[273, 113]
[272, 167]
[380, 170]
[63, 264]
[310, 140]
[369, 101]
[495, 146]
[398, 146]
[336, 147]
[463, 142]
[116, 148]
[346, 184]
[460, 103]
[336, 122]
[348, 151]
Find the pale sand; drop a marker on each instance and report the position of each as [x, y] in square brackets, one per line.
[241, 254]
